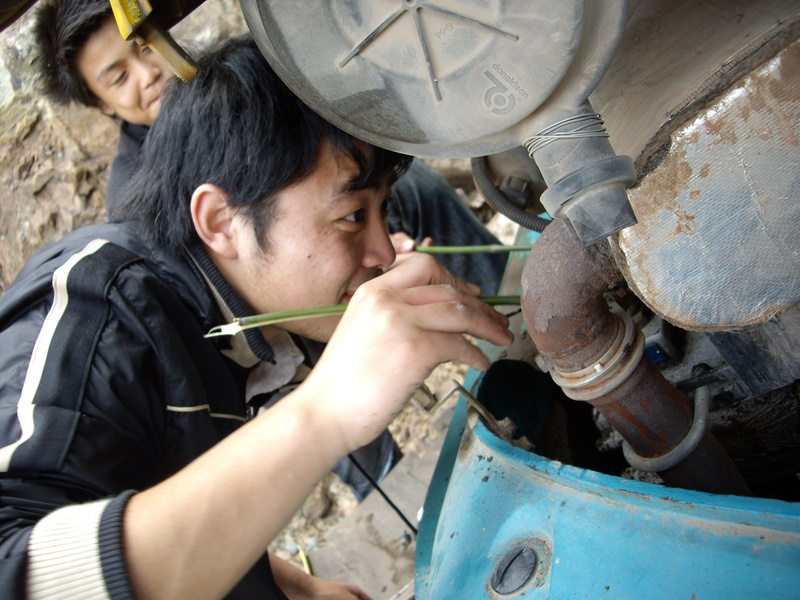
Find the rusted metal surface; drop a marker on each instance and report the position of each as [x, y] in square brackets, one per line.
[569, 321]
[717, 245]
[653, 417]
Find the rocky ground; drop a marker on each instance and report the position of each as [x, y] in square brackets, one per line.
[54, 167]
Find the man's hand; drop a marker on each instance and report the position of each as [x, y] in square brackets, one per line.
[397, 328]
[196, 534]
[404, 246]
[297, 585]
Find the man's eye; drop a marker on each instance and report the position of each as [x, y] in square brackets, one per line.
[120, 78]
[355, 216]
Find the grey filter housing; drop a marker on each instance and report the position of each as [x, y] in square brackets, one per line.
[449, 78]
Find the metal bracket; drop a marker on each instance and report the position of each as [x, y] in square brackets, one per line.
[504, 428]
[702, 399]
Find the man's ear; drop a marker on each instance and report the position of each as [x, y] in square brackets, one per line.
[213, 218]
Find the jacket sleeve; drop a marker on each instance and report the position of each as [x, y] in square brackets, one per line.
[83, 421]
[76, 552]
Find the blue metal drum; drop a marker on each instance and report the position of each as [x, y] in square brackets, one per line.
[496, 515]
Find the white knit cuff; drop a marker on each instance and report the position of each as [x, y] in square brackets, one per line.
[64, 554]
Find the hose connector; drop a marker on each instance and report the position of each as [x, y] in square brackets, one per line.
[586, 180]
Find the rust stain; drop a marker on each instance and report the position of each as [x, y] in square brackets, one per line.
[789, 121]
[705, 170]
[662, 187]
[693, 137]
[638, 495]
[685, 222]
[783, 84]
[773, 89]
[720, 127]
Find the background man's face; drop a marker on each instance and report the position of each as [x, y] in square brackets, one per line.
[325, 241]
[128, 79]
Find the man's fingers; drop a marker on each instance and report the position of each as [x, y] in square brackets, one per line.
[469, 317]
[418, 270]
[428, 311]
[402, 242]
[431, 294]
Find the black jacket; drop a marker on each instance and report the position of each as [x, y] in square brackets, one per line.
[126, 162]
[107, 386]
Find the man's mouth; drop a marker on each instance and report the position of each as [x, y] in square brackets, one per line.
[372, 274]
[157, 98]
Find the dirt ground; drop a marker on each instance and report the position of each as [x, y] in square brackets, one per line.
[54, 167]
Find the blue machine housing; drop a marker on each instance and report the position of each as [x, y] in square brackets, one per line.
[595, 535]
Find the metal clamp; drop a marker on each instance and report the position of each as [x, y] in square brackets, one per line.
[702, 399]
[611, 369]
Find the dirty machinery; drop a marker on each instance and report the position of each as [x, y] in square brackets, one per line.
[650, 153]
[662, 299]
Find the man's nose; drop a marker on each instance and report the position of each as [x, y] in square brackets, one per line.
[149, 73]
[378, 247]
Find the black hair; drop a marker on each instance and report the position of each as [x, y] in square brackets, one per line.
[61, 29]
[238, 126]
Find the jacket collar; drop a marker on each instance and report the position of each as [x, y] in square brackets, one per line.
[137, 133]
[247, 347]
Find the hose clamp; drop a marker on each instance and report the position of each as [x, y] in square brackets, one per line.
[611, 369]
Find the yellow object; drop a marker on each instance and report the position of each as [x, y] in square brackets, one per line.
[133, 22]
[129, 15]
[304, 560]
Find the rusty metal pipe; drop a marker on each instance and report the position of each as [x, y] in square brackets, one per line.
[596, 355]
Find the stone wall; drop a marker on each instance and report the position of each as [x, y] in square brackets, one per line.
[56, 160]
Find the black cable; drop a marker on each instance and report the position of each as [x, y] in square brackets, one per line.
[498, 200]
[381, 492]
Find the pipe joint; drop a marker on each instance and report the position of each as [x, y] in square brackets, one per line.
[612, 368]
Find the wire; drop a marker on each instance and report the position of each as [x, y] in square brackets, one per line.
[499, 201]
[382, 493]
[588, 125]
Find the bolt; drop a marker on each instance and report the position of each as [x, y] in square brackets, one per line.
[514, 570]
